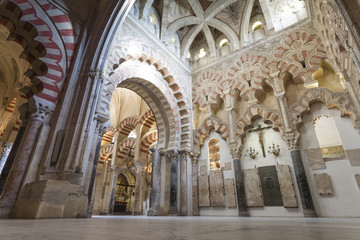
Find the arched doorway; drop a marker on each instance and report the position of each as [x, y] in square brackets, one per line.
[124, 194]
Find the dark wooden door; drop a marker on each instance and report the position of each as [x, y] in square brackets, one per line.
[270, 186]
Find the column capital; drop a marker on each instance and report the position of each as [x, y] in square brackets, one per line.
[172, 155]
[35, 111]
[235, 150]
[194, 160]
[292, 141]
[7, 148]
[100, 128]
[183, 155]
[280, 95]
[116, 169]
[140, 166]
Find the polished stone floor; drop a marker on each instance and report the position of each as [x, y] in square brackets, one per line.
[181, 228]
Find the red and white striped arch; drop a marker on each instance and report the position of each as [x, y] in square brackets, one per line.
[147, 140]
[56, 33]
[126, 126]
[297, 47]
[124, 146]
[108, 136]
[147, 120]
[204, 131]
[270, 117]
[105, 152]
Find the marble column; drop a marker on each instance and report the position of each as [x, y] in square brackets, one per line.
[100, 132]
[10, 159]
[303, 185]
[6, 151]
[173, 182]
[183, 183]
[239, 182]
[229, 108]
[284, 110]
[21, 162]
[155, 184]
[114, 153]
[115, 175]
[107, 189]
[195, 190]
[140, 181]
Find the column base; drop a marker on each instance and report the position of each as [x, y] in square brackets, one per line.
[4, 212]
[173, 211]
[51, 199]
[310, 213]
[153, 212]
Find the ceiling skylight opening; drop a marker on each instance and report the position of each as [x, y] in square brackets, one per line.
[153, 19]
[173, 40]
[223, 42]
[257, 25]
[202, 53]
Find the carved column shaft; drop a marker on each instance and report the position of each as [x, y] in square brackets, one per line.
[21, 162]
[140, 181]
[99, 131]
[240, 185]
[155, 184]
[114, 153]
[115, 175]
[284, 111]
[10, 159]
[173, 182]
[195, 190]
[303, 185]
[183, 184]
[107, 189]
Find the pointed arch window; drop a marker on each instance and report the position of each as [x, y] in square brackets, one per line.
[328, 137]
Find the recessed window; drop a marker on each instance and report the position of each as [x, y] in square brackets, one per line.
[214, 154]
[257, 25]
[328, 137]
[223, 42]
[202, 53]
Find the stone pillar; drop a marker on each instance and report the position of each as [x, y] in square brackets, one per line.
[284, 110]
[99, 188]
[100, 132]
[10, 159]
[22, 159]
[115, 175]
[6, 151]
[140, 181]
[114, 153]
[173, 182]
[183, 183]
[239, 181]
[229, 108]
[106, 193]
[302, 182]
[195, 190]
[155, 184]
